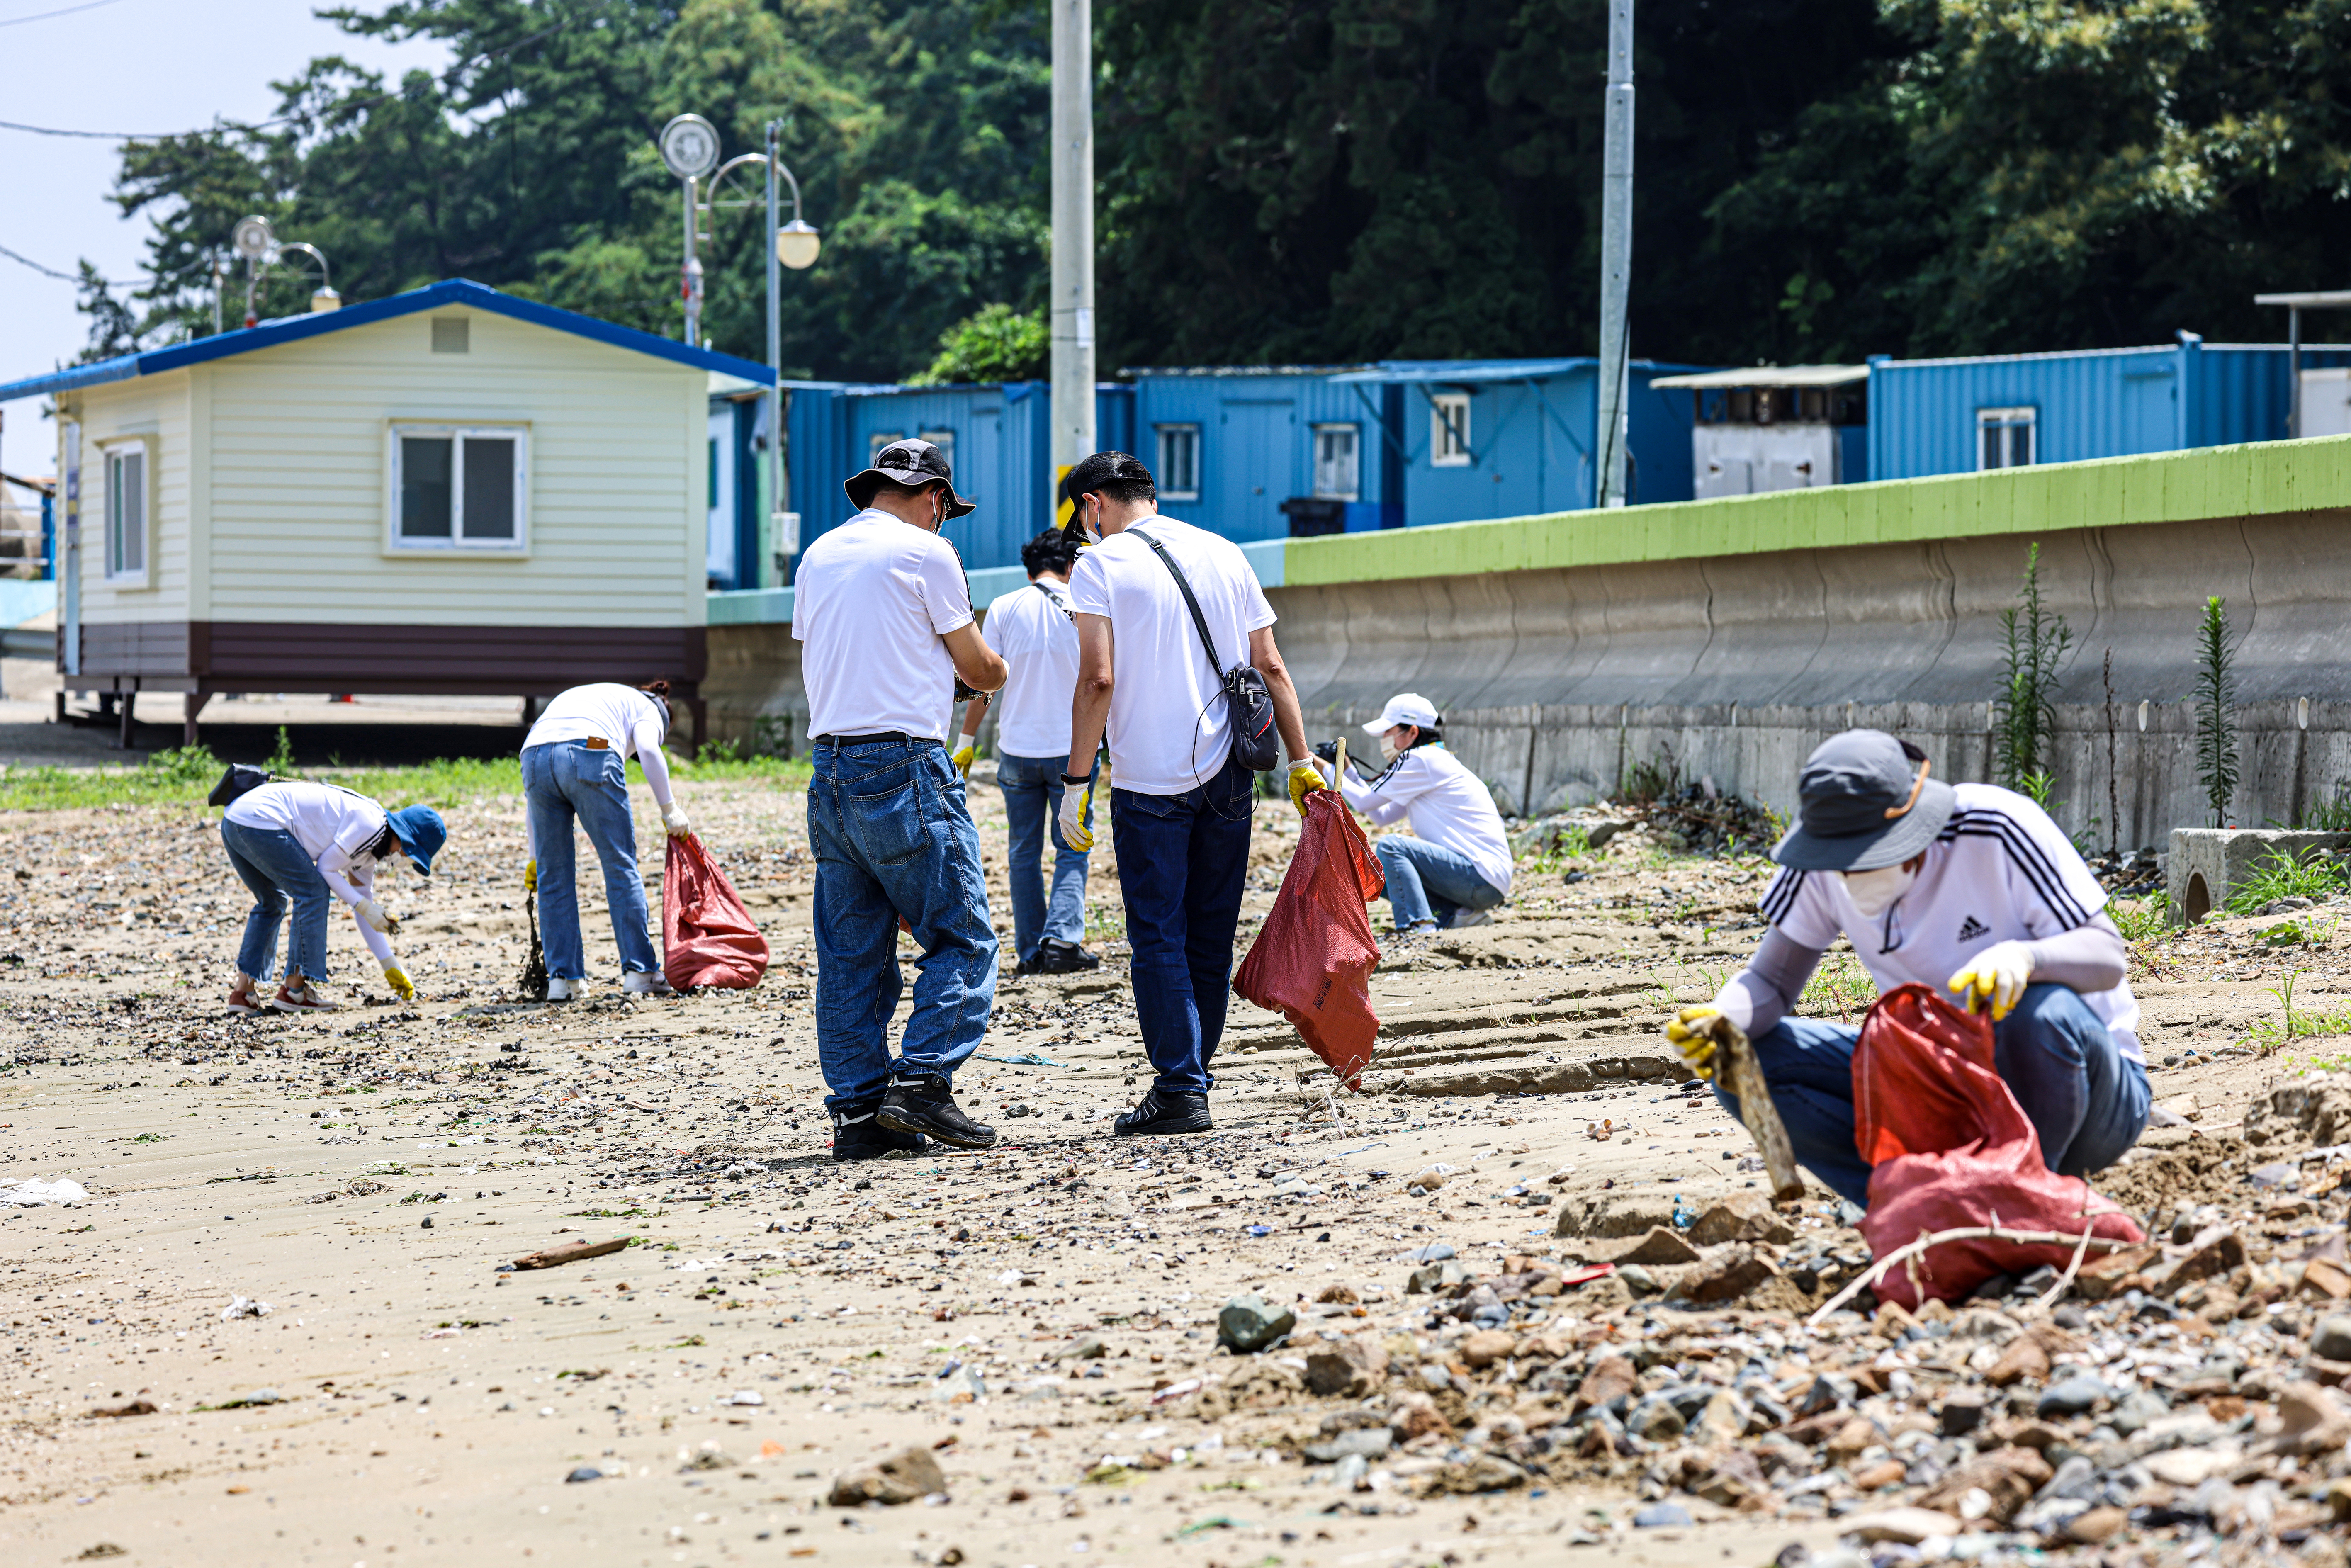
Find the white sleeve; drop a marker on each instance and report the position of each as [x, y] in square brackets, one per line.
[1794, 903]
[2053, 890]
[1256, 610]
[1090, 585]
[1386, 802]
[646, 738]
[939, 581]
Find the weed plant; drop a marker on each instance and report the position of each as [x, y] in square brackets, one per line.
[2024, 715]
[1840, 983]
[2138, 919]
[2280, 876]
[2216, 691]
[2270, 1035]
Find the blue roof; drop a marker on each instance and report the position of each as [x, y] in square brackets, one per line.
[294, 329]
[1461, 371]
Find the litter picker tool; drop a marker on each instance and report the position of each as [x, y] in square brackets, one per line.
[534, 968]
[1737, 1067]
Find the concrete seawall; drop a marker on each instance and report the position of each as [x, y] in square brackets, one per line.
[1735, 661]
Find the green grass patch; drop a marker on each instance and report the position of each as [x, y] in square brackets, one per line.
[2297, 1023]
[2281, 875]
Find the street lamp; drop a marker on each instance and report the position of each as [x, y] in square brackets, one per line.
[794, 244]
[259, 245]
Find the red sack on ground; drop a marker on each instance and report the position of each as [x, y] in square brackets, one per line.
[707, 937]
[1314, 954]
[1950, 1148]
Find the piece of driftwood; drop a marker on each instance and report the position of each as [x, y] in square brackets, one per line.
[570, 1252]
[1737, 1067]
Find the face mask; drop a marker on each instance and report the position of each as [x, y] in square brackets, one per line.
[1874, 892]
[1389, 751]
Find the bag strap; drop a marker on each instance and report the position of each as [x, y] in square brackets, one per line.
[1054, 599]
[1216, 664]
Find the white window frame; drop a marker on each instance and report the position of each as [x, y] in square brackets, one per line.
[1326, 486]
[1163, 435]
[2008, 422]
[1450, 444]
[111, 454]
[396, 543]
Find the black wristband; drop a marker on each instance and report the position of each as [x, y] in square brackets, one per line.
[1072, 781]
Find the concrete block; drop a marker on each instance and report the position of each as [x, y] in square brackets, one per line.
[2207, 866]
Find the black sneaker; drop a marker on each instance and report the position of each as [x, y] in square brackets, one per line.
[1164, 1113]
[856, 1136]
[1055, 956]
[920, 1102]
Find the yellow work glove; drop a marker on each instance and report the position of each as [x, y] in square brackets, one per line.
[962, 757]
[1996, 976]
[397, 979]
[1074, 802]
[1691, 1032]
[1305, 779]
[530, 876]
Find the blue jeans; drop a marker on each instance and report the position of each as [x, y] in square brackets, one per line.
[1428, 881]
[1032, 810]
[561, 781]
[1182, 863]
[2086, 1100]
[273, 862]
[894, 839]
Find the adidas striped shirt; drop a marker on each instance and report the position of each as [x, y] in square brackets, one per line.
[1999, 871]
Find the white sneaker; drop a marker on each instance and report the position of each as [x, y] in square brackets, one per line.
[562, 990]
[646, 982]
[301, 999]
[1467, 917]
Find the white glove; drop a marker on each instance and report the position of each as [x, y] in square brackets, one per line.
[1998, 974]
[372, 912]
[673, 819]
[1074, 800]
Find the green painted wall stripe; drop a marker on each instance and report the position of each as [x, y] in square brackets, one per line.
[2251, 480]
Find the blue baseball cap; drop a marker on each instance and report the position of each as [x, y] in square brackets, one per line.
[421, 833]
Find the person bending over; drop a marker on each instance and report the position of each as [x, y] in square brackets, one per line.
[575, 768]
[1457, 865]
[293, 844]
[1034, 630]
[1968, 887]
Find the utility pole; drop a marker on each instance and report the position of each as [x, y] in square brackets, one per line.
[782, 538]
[1615, 254]
[1070, 314]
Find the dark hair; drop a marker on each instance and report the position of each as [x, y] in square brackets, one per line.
[885, 486]
[1119, 476]
[1426, 734]
[384, 845]
[1051, 551]
[656, 689]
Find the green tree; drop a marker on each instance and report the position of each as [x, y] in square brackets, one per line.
[997, 343]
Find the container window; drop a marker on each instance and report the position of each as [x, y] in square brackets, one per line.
[2005, 437]
[452, 335]
[1338, 464]
[1448, 430]
[1179, 462]
[459, 489]
[126, 512]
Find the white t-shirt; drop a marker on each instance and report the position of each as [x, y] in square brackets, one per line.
[871, 599]
[334, 826]
[1168, 728]
[1031, 628]
[2001, 871]
[627, 718]
[1444, 803]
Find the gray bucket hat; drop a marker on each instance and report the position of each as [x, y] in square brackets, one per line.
[1861, 808]
[912, 462]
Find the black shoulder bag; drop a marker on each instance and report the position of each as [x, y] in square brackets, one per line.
[1247, 702]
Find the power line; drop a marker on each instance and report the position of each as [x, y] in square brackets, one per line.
[260, 124]
[91, 5]
[109, 283]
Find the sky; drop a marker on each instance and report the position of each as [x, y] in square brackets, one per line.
[139, 65]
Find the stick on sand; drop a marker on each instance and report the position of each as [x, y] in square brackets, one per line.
[1744, 1075]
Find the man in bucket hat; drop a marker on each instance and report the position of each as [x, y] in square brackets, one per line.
[884, 616]
[1969, 887]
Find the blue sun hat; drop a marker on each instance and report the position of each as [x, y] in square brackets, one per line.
[420, 833]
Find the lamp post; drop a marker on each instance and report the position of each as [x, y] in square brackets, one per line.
[689, 147]
[259, 245]
[795, 244]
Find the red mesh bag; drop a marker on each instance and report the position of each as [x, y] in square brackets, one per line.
[707, 937]
[1314, 954]
[1950, 1148]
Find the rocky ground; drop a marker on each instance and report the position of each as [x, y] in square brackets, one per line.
[1432, 1322]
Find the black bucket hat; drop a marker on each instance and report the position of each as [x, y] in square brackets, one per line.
[911, 462]
[1861, 808]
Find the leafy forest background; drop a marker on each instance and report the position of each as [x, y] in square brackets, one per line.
[1317, 180]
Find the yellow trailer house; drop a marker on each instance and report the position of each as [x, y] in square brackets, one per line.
[449, 491]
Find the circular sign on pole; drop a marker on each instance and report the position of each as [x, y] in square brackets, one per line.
[252, 238]
[689, 145]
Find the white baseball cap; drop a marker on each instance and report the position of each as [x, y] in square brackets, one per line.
[1405, 707]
